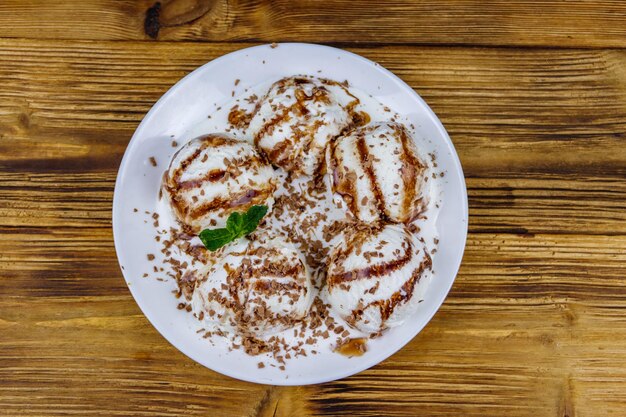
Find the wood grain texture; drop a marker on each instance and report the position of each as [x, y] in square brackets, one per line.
[535, 323]
[583, 23]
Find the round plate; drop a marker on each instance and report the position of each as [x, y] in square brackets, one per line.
[190, 101]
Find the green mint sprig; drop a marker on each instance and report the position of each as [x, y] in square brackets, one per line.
[238, 225]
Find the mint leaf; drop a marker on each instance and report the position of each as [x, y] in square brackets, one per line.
[237, 225]
[213, 239]
[252, 218]
[235, 222]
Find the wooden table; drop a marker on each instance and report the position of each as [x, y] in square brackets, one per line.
[532, 94]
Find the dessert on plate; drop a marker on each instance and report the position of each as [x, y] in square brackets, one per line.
[373, 274]
[376, 171]
[213, 176]
[296, 120]
[256, 289]
[306, 221]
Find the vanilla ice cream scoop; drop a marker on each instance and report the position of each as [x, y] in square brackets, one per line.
[373, 276]
[375, 170]
[214, 175]
[297, 118]
[254, 289]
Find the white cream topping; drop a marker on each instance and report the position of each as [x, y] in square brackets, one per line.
[296, 120]
[374, 168]
[256, 289]
[219, 176]
[373, 276]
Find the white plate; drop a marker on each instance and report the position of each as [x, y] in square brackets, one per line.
[186, 105]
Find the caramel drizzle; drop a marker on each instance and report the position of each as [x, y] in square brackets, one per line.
[373, 271]
[369, 171]
[279, 155]
[310, 132]
[342, 185]
[172, 183]
[353, 347]
[184, 164]
[276, 271]
[297, 107]
[211, 176]
[354, 241]
[350, 106]
[249, 198]
[409, 173]
[206, 141]
[217, 174]
[388, 306]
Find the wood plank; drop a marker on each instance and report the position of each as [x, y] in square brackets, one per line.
[541, 322]
[547, 203]
[586, 23]
[100, 356]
